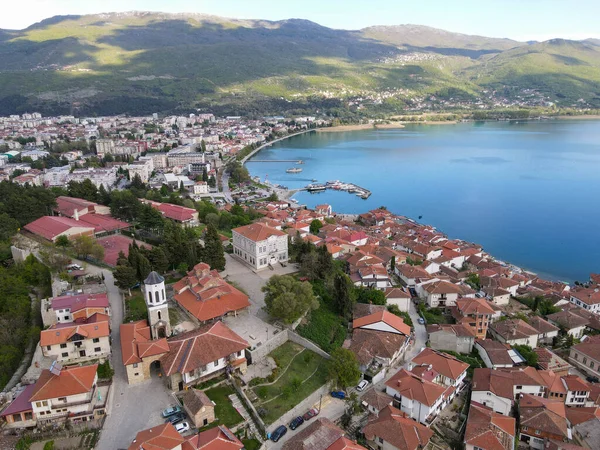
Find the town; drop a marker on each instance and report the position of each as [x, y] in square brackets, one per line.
[158, 297]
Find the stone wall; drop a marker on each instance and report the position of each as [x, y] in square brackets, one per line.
[250, 407]
[294, 337]
[263, 350]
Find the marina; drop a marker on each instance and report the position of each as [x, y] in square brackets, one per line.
[340, 186]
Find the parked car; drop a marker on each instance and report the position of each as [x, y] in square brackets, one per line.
[362, 385]
[338, 394]
[175, 418]
[171, 410]
[421, 321]
[310, 414]
[278, 433]
[74, 267]
[295, 423]
[182, 427]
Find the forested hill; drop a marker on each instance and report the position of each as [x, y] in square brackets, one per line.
[153, 62]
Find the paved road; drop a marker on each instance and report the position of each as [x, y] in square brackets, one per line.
[132, 408]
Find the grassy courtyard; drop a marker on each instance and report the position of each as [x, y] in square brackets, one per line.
[306, 372]
[224, 410]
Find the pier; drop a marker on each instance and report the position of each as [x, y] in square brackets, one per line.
[337, 185]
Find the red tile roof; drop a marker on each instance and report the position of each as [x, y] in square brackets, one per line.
[488, 429]
[71, 381]
[67, 206]
[161, 437]
[401, 432]
[194, 349]
[257, 232]
[103, 223]
[443, 363]
[320, 434]
[174, 212]
[136, 342]
[412, 386]
[80, 301]
[382, 316]
[61, 333]
[218, 438]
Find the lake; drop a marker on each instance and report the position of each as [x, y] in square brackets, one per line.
[529, 192]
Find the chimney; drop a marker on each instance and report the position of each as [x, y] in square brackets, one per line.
[76, 214]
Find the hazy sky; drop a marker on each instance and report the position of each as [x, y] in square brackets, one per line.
[516, 19]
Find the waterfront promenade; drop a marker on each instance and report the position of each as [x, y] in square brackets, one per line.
[258, 149]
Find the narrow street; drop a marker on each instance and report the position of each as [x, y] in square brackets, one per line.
[132, 408]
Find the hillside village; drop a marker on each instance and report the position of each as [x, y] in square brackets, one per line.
[194, 308]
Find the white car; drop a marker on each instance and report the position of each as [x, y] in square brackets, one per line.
[362, 385]
[182, 427]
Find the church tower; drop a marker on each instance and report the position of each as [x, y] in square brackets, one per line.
[156, 301]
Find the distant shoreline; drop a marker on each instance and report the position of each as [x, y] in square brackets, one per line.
[359, 127]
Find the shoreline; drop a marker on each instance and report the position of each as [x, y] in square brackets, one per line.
[363, 126]
[268, 144]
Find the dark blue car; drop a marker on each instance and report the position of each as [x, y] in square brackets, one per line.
[295, 423]
[278, 433]
[338, 394]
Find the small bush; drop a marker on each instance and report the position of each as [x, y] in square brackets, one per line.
[49, 445]
[105, 372]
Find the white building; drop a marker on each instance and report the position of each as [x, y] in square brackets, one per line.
[438, 293]
[156, 300]
[143, 168]
[259, 245]
[200, 188]
[77, 342]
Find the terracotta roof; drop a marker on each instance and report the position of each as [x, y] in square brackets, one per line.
[454, 328]
[68, 205]
[71, 381]
[62, 333]
[498, 382]
[441, 287]
[568, 319]
[137, 343]
[394, 428]
[541, 325]
[473, 306]
[81, 301]
[161, 437]
[369, 344]
[589, 296]
[321, 434]
[377, 399]
[394, 292]
[412, 386]
[581, 415]
[218, 438]
[542, 414]
[195, 400]
[197, 348]
[365, 309]
[513, 329]
[575, 383]
[548, 360]
[175, 212]
[590, 347]
[382, 316]
[489, 430]
[444, 363]
[257, 232]
[102, 223]
[409, 271]
[497, 351]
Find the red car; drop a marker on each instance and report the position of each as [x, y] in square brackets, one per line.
[310, 414]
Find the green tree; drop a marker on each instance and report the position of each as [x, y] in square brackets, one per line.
[531, 357]
[124, 205]
[213, 253]
[393, 263]
[344, 294]
[287, 298]
[371, 296]
[8, 227]
[150, 218]
[158, 260]
[204, 174]
[125, 277]
[85, 246]
[84, 189]
[203, 146]
[343, 368]
[62, 241]
[143, 268]
[315, 226]
[49, 445]
[137, 182]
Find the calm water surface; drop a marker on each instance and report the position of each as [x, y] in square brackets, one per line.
[528, 192]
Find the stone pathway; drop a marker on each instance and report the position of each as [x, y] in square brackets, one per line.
[239, 406]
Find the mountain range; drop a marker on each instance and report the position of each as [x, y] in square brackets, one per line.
[142, 62]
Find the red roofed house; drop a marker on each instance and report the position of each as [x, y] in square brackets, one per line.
[161, 437]
[378, 340]
[76, 207]
[451, 371]
[475, 313]
[586, 355]
[489, 430]
[19, 414]
[438, 293]
[542, 419]
[391, 429]
[68, 394]
[201, 354]
[588, 299]
[321, 434]
[186, 216]
[259, 245]
[206, 296]
[218, 438]
[77, 342]
[50, 227]
[74, 308]
[139, 352]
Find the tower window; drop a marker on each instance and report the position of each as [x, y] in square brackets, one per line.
[149, 297]
[157, 297]
[163, 294]
[159, 318]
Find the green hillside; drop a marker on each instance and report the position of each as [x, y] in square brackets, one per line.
[148, 62]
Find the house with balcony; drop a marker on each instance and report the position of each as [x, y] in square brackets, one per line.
[546, 330]
[77, 342]
[451, 371]
[73, 308]
[438, 293]
[578, 391]
[474, 313]
[514, 332]
[586, 298]
[59, 395]
[572, 323]
[586, 355]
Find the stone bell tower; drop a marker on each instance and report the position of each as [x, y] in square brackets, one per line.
[156, 301]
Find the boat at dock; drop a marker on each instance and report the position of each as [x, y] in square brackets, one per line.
[316, 187]
[294, 170]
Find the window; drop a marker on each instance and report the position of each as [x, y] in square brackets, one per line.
[28, 416]
[135, 365]
[585, 360]
[62, 399]
[380, 440]
[149, 297]
[519, 387]
[525, 428]
[216, 363]
[163, 294]
[136, 374]
[48, 347]
[239, 353]
[205, 422]
[592, 365]
[537, 431]
[45, 403]
[96, 340]
[97, 349]
[576, 356]
[63, 345]
[38, 404]
[16, 417]
[159, 316]
[64, 355]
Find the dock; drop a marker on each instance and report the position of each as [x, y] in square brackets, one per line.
[337, 185]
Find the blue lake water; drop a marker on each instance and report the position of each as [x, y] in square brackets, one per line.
[529, 192]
